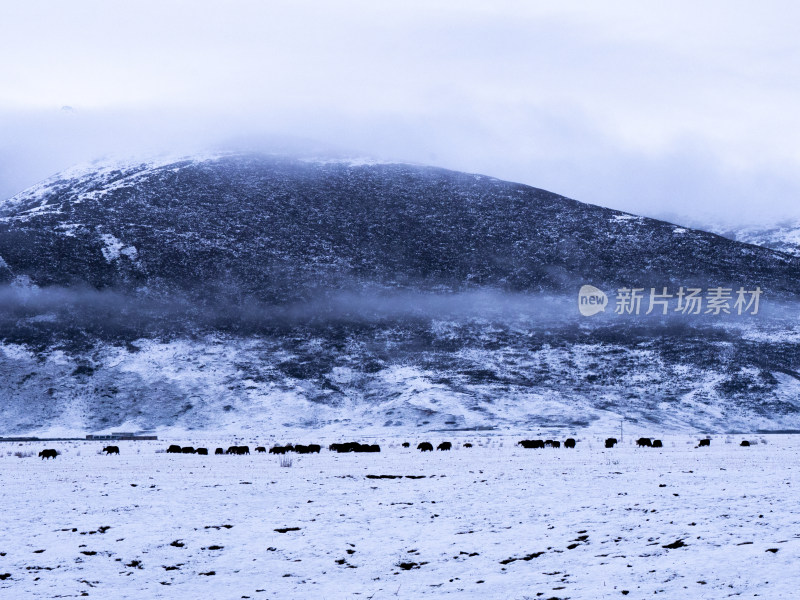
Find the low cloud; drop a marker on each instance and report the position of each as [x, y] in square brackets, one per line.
[685, 111]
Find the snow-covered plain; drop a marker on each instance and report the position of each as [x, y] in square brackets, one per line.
[491, 521]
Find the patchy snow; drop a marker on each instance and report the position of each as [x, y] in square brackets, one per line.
[626, 217]
[23, 284]
[130, 251]
[16, 352]
[114, 248]
[114, 173]
[492, 521]
[224, 384]
[71, 229]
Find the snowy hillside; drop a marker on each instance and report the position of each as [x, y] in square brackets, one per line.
[236, 292]
[784, 237]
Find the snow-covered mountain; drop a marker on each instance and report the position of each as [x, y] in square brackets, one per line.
[248, 291]
[783, 236]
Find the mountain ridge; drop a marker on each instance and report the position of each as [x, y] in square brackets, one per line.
[245, 290]
[466, 236]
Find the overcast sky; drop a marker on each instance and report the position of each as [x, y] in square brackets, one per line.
[686, 110]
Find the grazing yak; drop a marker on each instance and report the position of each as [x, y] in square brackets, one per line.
[406, 445]
[425, 447]
[744, 443]
[303, 449]
[532, 443]
[203, 451]
[219, 451]
[346, 447]
[48, 453]
[569, 443]
[444, 446]
[261, 449]
[238, 450]
[657, 444]
[467, 445]
[611, 442]
[187, 450]
[354, 447]
[705, 442]
[111, 450]
[644, 443]
[174, 449]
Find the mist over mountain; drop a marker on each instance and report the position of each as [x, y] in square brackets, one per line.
[239, 291]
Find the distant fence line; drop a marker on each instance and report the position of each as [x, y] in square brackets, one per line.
[89, 438]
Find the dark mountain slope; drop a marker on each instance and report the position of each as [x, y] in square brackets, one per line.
[280, 229]
[247, 291]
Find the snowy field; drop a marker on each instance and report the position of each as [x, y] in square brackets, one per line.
[492, 521]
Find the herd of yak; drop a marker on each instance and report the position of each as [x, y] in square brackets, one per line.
[357, 447]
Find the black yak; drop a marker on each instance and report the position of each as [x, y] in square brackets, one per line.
[657, 444]
[611, 442]
[467, 445]
[705, 442]
[425, 447]
[203, 451]
[232, 450]
[532, 443]
[406, 445]
[307, 449]
[277, 450]
[174, 449]
[261, 449]
[187, 450]
[352, 447]
[644, 443]
[242, 450]
[48, 453]
[444, 446]
[569, 443]
[111, 450]
[744, 443]
[556, 444]
[219, 451]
